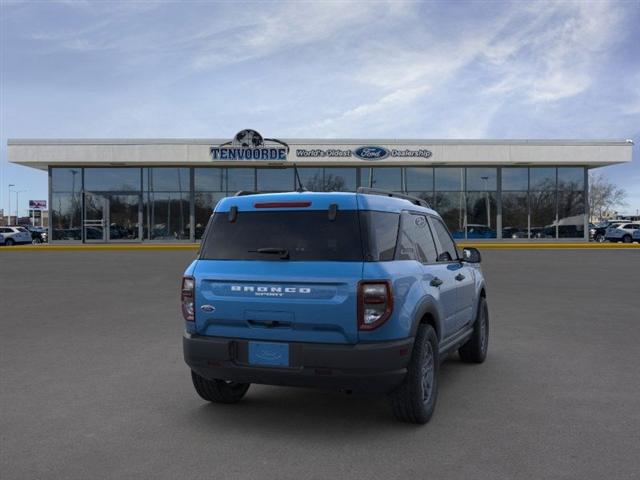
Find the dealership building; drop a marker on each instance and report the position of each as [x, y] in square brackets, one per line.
[132, 190]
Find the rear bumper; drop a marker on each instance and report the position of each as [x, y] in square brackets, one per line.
[369, 367]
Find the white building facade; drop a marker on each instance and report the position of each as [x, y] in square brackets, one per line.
[133, 190]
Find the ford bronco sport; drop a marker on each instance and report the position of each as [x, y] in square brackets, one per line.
[354, 291]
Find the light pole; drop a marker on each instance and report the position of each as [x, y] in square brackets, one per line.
[9, 214]
[18, 192]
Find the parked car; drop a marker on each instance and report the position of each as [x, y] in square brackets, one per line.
[636, 235]
[353, 291]
[622, 232]
[15, 235]
[599, 231]
[514, 232]
[38, 234]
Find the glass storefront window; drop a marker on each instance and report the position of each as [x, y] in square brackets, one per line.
[205, 202]
[66, 217]
[384, 178]
[542, 178]
[451, 207]
[515, 178]
[482, 179]
[209, 179]
[449, 179]
[571, 211]
[167, 216]
[166, 179]
[543, 214]
[112, 179]
[571, 178]
[124, 220]
[240, 179]
[312, 178]
[426, 196]
[275, 179]
[481, 215]
[419, 179]
[515, 215]
[340, 179]
[66, 179]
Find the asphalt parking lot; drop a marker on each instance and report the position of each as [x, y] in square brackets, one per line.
[93, 384]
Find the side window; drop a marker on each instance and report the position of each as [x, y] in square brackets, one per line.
[447, 251]
[415, 241]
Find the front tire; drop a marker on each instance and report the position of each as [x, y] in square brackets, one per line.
[219, 391]
[599, 238]
[475, 349]
[414, 401]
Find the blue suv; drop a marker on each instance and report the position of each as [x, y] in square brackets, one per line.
[357, 291]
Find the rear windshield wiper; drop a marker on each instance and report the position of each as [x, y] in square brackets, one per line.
[283, 252]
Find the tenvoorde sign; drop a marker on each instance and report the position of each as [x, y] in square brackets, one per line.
[249, 145]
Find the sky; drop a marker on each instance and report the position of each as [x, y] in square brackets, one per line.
[375, 69]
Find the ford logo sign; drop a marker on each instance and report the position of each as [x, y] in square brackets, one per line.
[371, 153]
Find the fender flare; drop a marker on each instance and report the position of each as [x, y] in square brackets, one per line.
[427, 307]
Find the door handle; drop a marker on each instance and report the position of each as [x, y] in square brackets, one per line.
[460, 277]
[436, 282]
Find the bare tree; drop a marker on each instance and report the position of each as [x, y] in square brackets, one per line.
[604, 196]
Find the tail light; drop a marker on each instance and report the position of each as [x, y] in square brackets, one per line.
[187, 296]
[375, 304]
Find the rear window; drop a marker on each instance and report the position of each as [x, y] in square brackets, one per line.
[303, 235]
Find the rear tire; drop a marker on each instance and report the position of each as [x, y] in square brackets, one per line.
[219, 391]
[475, 349]
[9, 242]
[414, 401]
[626, 239]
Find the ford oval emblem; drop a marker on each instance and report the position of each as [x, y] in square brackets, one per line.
[371, 153]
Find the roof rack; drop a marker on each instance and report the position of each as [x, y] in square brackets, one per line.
[242, 193]
[386, 193]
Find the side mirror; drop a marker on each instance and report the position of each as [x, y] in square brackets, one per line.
[471, 255]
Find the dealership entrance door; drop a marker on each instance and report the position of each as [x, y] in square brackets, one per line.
[112, 217]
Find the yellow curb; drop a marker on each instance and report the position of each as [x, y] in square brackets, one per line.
[551, 246]
[48, 248]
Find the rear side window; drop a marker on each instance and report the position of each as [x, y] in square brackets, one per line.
[415, 241]
[447, 247]
[21, 229]
[303, 235]
[379, 234]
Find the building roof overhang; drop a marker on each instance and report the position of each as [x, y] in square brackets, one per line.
[43, 153]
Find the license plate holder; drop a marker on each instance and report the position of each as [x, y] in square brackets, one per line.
[269, 354]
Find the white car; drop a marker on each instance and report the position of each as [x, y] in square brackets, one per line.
[15, 235]
[623, 232]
